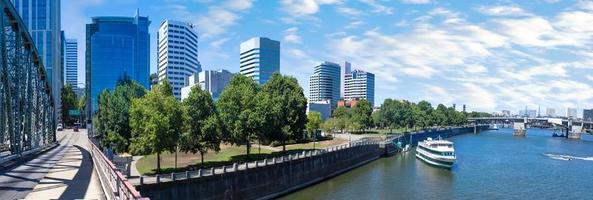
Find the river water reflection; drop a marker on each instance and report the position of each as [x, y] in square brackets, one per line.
[490, 165]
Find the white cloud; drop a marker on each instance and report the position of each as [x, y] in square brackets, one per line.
[348, 11]
[218, 43]
[291, 35]
[503, 11]
[239, 4]
[378, 7]
[300, 8]
[589, 77]
[216, 21]
[416, 1]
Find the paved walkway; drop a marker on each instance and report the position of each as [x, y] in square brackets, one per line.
[65, 172]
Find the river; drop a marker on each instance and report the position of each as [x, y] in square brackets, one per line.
[490, 165]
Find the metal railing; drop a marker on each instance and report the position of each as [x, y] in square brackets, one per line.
[159, 178]
[114, 183]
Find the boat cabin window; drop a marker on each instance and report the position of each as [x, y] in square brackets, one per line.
[447, 154]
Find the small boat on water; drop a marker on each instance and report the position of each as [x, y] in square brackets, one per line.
[439, 153]
[493, 127]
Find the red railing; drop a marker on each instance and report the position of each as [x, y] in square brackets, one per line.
[113, 180]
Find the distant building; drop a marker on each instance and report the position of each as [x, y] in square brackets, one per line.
[116, 47]
[322, 107]
[571, 113]
[259, 58]
[177, 53]
[360, 85]
[506, 113]
[528, 113]
[210, 80]
[43, 20]
[588, 114]
[348, 103]
[345, 69]
[324, 84]
[550, 112]
[463, 108]
[71, 62]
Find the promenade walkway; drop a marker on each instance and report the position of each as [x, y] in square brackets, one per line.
[65, 172]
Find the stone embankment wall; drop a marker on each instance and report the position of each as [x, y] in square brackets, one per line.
[271, 178]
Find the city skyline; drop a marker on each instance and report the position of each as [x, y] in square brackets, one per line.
[481, 54]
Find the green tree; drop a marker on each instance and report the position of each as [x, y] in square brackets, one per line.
[283, 104]
[389, 113]
[236, 107]
[68, 103]
[423, 114]
[156, 122]
[313, 123]
[440, 115]
[361, 115]
[202, 125]
[114, 114]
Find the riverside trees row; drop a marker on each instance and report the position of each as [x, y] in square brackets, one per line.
[133, 120]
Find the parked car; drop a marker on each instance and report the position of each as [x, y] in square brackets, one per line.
[60, 127]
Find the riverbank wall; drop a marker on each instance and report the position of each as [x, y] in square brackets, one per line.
[271, 178]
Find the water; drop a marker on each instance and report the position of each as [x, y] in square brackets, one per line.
[490, 165]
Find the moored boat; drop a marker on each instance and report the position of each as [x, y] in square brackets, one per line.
[439, 153]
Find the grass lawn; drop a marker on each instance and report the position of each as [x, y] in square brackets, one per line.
[318, 145]
[227, 155]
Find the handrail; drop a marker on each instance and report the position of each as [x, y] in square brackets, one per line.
[116, 183]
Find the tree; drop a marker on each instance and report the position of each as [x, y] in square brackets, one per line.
[114, 113]
[422, 114]
[283, 105]
[313, 123]
[156, 122]
[237, 110]
[202, 125]
[440, 115]
[361, 115]
[68, 103]
[389, 113]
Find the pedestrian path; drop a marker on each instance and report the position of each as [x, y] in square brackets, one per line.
[72, 177]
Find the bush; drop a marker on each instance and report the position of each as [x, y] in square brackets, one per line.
[275, 144]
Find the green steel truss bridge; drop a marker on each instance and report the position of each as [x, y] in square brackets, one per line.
[26, 105]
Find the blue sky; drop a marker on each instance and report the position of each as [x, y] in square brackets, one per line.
[490, 55]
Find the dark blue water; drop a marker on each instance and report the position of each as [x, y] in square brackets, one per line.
[490, 165]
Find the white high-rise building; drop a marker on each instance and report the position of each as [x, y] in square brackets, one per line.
[360, 85]
[71, 62]
[324, 84]
[259, 58]
[177, 53]
[209, 80]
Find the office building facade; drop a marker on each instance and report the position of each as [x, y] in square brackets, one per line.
[360, 85]
[42, 18]
[213, 81]
[324, 108]
[116, 47]
[71, 62]
[324, 84]
[588, 114]
[571, 113]
[259, 58]
[550, 112]
[177, 53]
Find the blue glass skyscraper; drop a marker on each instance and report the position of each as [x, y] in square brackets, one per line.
[116, 47]
[42, 18]
[259, 58]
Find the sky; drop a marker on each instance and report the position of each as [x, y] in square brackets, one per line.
[489, 55]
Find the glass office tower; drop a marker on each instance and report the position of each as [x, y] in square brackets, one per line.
[42, 18]
[116, 47]
[259, 58]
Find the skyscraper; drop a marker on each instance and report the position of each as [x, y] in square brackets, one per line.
[177, 53]
[259, 58]
[42, 18]
[571, 113]
[209, 80]
[115, 47]
[360, 85]
[346, 69]
[71, 62]
[324, 84]
[550, 112]
[588, 114]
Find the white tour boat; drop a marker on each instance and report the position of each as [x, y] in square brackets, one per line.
[436, 152]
